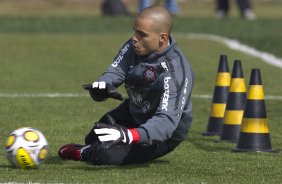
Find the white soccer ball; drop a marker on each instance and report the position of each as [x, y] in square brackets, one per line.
[26, 148]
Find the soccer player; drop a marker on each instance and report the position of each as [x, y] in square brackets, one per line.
[244, 6]
[158, 113]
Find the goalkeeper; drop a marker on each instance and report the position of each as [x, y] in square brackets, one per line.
[158, 113]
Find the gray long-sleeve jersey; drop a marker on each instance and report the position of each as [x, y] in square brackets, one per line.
[159, 87]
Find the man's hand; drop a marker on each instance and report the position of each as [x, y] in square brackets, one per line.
[100, 91]
[114, 134]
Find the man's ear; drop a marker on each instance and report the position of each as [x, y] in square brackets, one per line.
[163, 38]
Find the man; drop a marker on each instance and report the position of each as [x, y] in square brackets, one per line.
[157, 115]
[171, 5]
[244, 6]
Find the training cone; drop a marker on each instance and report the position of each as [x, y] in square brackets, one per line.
[220, 95]
[235, 105]
[254, 134]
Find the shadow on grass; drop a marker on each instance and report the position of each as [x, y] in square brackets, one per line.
[89, 167]
[213, 144]
[7, 166]
[53, 160]
[205, 143]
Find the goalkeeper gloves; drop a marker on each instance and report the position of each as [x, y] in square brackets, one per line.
[114, 134]
[100, 91]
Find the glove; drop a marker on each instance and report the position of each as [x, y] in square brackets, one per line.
[101, 91]
[113, 134]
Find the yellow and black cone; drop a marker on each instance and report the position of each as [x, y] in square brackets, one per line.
[235, 105]
[254, 134]
[220, 95]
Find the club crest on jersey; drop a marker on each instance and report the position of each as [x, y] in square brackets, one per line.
[150, 73]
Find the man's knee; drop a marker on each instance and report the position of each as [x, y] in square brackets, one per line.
[91, 136]
[97, 154]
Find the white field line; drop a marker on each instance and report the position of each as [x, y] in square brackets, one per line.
[79, 95]
[230, 43]
[42, 95]
[236, 45]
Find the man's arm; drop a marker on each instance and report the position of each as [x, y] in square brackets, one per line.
[114, 76]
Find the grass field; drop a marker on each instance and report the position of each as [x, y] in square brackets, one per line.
[46, 54]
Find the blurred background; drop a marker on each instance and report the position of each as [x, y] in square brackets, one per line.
[203, 8]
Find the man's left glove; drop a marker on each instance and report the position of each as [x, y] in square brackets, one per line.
[114, 134]
[100, 91]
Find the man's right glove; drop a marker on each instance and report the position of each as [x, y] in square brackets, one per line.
[113, 134]
[101, 91]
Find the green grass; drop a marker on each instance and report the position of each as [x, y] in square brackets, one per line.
[264, 33]
[58, 54]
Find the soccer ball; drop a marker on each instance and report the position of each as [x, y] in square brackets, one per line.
[26, 148]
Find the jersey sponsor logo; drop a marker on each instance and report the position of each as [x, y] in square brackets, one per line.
[166, 93]
[184, 92]
[120, 56]
[150, 73]
[164, 66]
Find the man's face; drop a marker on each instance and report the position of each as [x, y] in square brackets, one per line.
[145, 38]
